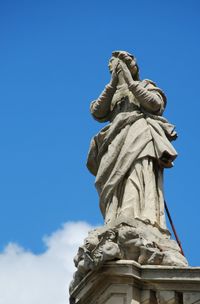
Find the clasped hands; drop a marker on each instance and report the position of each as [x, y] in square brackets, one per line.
[121, 67]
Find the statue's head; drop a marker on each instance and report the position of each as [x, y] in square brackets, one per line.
[127, 58]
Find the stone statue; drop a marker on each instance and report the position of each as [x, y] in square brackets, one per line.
[128, 157]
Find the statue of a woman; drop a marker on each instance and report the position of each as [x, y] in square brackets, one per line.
[128, 157]
[129, 154]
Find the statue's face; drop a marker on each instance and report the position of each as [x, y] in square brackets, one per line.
[112, 63]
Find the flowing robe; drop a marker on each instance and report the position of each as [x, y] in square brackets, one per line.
[128, 155]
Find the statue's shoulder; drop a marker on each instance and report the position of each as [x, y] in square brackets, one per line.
[148, 82]
[152, 86]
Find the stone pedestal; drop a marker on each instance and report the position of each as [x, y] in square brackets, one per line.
[127, 282]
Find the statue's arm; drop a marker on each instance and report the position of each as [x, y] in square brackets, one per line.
[100, 108]
[151, 98]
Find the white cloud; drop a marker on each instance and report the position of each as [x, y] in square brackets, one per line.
[28, 278]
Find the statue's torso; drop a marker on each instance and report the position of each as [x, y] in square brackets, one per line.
[123, 101]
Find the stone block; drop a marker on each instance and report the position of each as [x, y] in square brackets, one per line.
[127, 282]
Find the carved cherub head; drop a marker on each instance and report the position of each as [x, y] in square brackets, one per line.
[128, 59]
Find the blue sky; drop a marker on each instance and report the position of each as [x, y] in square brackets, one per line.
[53, 63]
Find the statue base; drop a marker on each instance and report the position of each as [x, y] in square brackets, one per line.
[131, 240]
[127, 282]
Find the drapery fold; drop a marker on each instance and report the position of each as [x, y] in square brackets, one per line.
[130, 136]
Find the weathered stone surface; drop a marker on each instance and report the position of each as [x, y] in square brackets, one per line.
[129, 154]
[128, 282]
[130, 240]
[128, 157]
